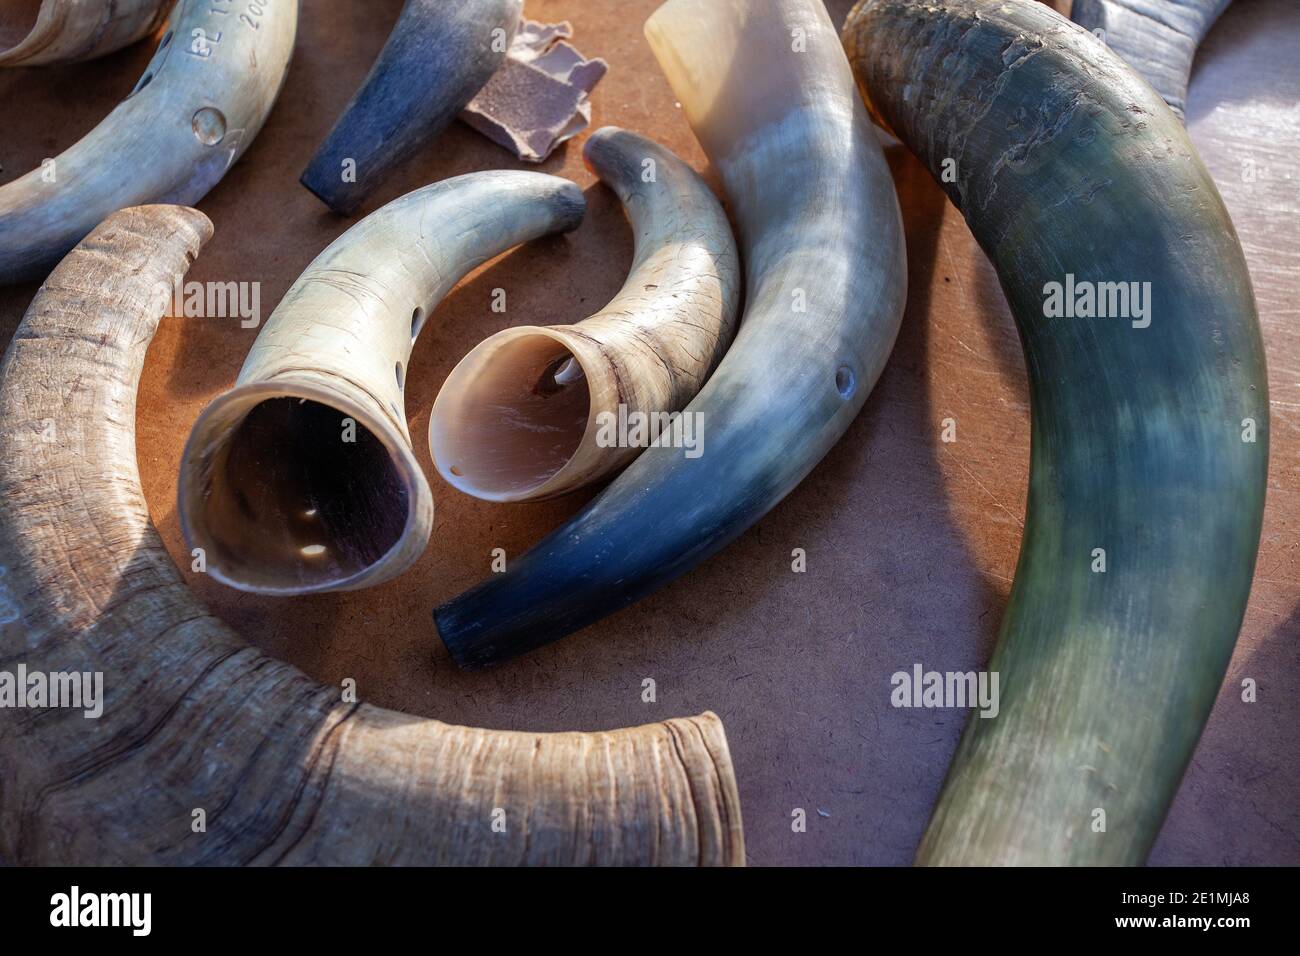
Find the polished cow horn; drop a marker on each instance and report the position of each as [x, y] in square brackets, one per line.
[302, 478]
[198, 106]
[766, 87]
[182, 717]
[1149, 444]
[533, 412]
[1158, 38]
[438, 56]
[40, 32]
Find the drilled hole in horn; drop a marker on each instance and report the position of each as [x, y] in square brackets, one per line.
[417, 322]
[289, 502]
[513, 420]
[209, 125]
[845, 381]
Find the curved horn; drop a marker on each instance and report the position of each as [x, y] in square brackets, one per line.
[437, 57]
[301, 478]
[1158, 38]
[527, 413]
[198, 106]
[40, 32]
[194, 719]
[1150, 423]
[768, 92]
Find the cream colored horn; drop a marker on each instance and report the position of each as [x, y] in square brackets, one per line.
[41, 32]
[198, 106]
[302, 478]
[767, 89]
[534, 412]
[191, 722]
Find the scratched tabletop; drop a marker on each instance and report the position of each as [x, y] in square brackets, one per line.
[911, 541]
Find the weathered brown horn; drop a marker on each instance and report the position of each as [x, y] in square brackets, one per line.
[194, 718]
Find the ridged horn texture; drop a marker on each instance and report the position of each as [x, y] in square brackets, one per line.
[1158, 38]
[193, 718]
[41, 32]
[533, 412]
[438, 56]
[198, 106]
[1145, 503]
[766, 87]
[301, 478]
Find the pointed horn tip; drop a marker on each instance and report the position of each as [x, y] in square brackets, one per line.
[600, 137]
[572, 207]
[611, 147]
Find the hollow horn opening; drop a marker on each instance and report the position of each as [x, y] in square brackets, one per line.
[292, 494]
[511, 415]
[17, 19]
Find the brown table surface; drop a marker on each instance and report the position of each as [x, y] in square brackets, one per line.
[911, 542]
